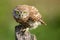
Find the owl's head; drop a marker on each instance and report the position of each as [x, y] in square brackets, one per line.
[21, 11]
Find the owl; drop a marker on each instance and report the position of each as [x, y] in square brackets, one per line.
[28, 16]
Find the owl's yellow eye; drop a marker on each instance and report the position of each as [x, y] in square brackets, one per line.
[24, 12]
[17, 12]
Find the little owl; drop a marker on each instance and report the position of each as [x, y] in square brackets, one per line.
[28, 16]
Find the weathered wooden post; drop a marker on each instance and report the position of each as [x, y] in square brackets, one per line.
[21, 34]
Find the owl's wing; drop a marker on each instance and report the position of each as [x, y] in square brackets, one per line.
[35, 15]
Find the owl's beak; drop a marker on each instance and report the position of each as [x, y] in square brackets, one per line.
[42, 22]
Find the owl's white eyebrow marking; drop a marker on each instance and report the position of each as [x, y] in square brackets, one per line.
[32, 7]
[16, 9]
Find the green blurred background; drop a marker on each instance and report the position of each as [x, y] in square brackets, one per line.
[50, 10]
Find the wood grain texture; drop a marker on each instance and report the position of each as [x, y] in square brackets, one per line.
[23, 35]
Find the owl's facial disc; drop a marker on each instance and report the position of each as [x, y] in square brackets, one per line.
[21, 14]
[24, 14]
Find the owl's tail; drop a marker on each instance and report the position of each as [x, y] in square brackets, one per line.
[42, 22]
